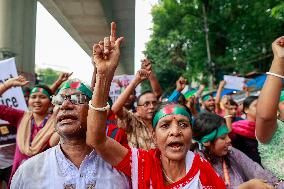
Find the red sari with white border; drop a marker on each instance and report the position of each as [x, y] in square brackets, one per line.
[144, 168]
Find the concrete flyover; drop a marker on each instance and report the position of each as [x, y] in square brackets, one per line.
[86, 21]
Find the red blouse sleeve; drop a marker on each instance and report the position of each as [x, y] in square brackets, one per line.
[125, 165]
[12, 115]
[210, 177]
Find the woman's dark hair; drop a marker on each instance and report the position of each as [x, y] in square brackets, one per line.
[45, 87]
[205, 123]
[26, 90]
[247, 102]
[182, 100]
[164, 104]
[232, 102]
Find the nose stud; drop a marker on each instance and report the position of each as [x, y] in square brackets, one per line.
[180, 132]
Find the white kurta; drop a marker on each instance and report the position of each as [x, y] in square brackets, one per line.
[51, 169]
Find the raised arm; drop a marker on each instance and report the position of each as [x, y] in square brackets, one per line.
[62, 78]
[93, 82]
[140, 76]
[218, 95]
[156, 87]
[228, 119]
[267, 105]
[8, 113]
[13, 82]
[180, 85]
[106, 57]
[200, 90]
[246, 90]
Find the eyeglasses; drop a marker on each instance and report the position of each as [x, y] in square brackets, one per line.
[74, 99]
[148, 103]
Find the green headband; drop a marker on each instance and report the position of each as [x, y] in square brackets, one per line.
[78, 86]
[189, 94]
[206, 97]
[281, 96]
[172, 109]
[41, 90]
[222, 130]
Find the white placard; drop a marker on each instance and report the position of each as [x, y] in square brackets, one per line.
[14, 96]
[119, 83]
[234, 82]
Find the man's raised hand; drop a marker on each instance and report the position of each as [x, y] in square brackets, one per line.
[142, 74]
[64, 76]
[106, 53]
[278, 47]
[180, 83]
[146, 64]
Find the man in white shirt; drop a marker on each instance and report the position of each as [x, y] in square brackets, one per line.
[71, 164]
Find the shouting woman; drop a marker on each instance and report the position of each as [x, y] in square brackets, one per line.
[171, 164]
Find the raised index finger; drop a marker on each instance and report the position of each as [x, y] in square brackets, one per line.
[112, 32]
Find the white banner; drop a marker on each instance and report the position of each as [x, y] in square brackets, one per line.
[234, 82]
[14, 96]
[118, 85]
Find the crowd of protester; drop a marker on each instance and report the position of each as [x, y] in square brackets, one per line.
[74, 136]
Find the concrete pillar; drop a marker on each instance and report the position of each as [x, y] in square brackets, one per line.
[123, 13]
[17, 34]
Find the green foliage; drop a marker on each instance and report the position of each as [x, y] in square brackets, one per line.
[278, 12]
[240, 36]
[47, 76]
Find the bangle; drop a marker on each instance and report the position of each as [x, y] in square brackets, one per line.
[228, 116]
[107, 107]
[275, 75]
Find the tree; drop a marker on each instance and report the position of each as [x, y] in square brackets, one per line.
[47, 76]
[239, 32]
[278, 11]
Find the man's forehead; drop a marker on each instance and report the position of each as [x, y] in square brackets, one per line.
[69, 92]
[148, 97]
[210, 98]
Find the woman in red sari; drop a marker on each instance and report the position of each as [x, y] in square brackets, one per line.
[171, 164]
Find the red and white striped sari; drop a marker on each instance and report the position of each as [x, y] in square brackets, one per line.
[144, 168]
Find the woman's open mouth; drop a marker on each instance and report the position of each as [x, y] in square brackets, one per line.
[176, 145]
